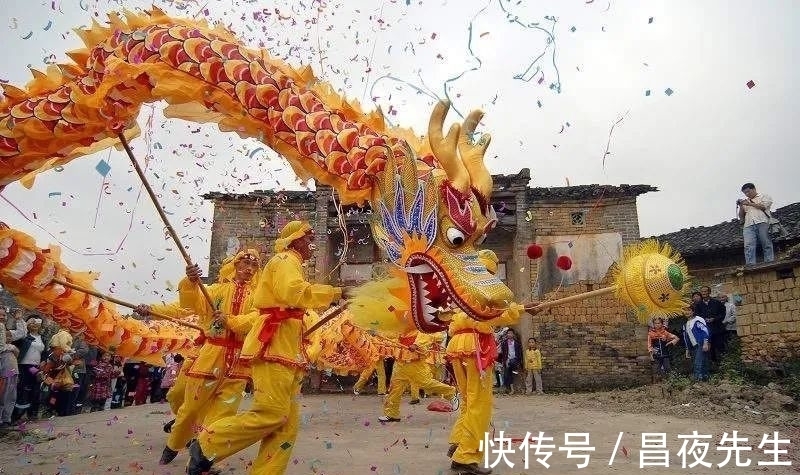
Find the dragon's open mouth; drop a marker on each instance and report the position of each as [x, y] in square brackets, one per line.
[432, 293]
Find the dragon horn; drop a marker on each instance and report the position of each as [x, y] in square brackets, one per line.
[445, 148]
[472, 154]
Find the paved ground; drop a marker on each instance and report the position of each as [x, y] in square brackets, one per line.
[340, 436]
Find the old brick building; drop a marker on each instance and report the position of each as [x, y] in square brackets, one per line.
[711, 252]
[768, 319]
[596, 343]
[768, 312]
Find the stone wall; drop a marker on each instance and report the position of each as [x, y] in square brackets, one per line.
[768, 321]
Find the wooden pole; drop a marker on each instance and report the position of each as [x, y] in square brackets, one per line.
[325, 320]
[123, 303]
[161, 213]
[571, 298]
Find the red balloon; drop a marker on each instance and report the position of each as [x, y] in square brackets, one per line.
[564, 263]
[535, 251]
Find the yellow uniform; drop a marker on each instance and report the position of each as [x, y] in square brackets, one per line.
[215, 379]
[275, 349]
[378, 368]
[433, 345]
[410, 369]
[472, 352]
[175, 395]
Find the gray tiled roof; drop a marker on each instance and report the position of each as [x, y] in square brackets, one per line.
[728, 235]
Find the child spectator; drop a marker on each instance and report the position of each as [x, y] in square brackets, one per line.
[174, 363]
[57, 375]
[100, 390]
[696, 338]
[142, 385]
[118, 383]
[658, 338]
[533, 366]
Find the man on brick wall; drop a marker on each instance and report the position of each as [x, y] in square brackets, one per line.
[755, 215]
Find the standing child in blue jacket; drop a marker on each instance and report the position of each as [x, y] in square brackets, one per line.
[696, 338]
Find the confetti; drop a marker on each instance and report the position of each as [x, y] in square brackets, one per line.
[751, 84]
[650, 20]
[103, 168]
[647, 92]
[49, 24]
[668, 92]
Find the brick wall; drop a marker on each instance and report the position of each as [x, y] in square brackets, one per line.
[768, 321]
[596, 343]
[254, 223]
[592, 344]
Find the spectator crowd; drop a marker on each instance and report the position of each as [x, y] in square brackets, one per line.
[45, 371]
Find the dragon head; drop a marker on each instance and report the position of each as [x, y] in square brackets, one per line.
[431, 222]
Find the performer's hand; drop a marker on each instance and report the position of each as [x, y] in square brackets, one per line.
[219, 319]
[143, 310]
[534, 310]
[193, 273]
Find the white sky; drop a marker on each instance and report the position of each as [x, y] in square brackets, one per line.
[697, 146]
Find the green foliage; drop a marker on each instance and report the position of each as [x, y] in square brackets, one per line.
[791, 382]
[677, 382]
[733, 369]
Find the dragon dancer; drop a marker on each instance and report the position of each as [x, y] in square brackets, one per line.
[380, 370]
[412, 370]
[275, 348]
[472, 352]
[434, 346]
[216, 379]
[176, 393]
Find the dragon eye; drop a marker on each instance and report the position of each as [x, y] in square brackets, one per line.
[455, 237]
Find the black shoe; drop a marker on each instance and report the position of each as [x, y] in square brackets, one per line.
[451, 450]
[469, 469]
[168, 426]
[167, 456]
[414, 401]
[198, 463]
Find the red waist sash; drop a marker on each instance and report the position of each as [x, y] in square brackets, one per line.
[274, 317]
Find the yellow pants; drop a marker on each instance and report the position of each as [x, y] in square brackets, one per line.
[204, 402]
[177, 392]
[435, 374]
[476, 410]
[273, 419]
[416, 374]
[367, 373]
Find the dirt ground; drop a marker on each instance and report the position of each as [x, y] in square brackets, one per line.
[340, 435]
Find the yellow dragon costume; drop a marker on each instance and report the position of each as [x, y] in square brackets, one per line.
[431, 195]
